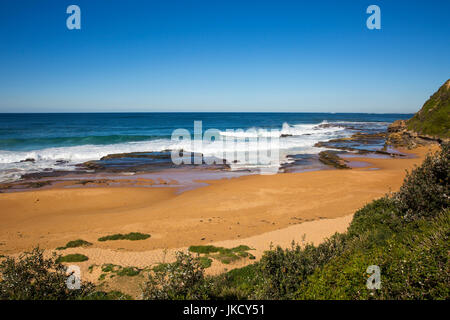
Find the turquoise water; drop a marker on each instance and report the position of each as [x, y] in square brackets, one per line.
[58, 141]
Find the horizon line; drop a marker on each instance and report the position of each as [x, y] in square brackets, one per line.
[97, 112]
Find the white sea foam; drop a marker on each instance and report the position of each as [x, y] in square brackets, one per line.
[286, 130]
[300, 137]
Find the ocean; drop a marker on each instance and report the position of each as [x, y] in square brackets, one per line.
[59, 141]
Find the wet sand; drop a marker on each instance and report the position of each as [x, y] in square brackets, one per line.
[252, 210]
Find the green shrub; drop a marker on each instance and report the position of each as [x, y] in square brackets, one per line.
[183, 279]
[374, 224]
[109, 267]
[204, 249]
[406, 235]
[76, 257]
[114, 270]
[426, 189]
[381, 212]
[133, 236]
[205, 262]
[128, 271]
[75, 244]
[283, 270]
[224, 255]
[414, 265]
[33, 277]
[236, 284]
[78, 243]
[160, 267]
[434, 116]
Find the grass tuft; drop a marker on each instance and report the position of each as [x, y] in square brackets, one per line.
[76, 257]
[75, 244]
[224, 255]
[205, 262]
[133, 236]
[113, 270]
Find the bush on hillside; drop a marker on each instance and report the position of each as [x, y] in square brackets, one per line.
[282, 270]
[183, 279]
[414, 265]
[426, 189]
[33, 277]
[236, 284]
[389, 232]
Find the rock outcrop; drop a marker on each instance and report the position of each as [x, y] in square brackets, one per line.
[431, 124]
[331, 158]
[400, 136]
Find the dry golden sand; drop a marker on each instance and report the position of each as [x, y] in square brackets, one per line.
[250, 210]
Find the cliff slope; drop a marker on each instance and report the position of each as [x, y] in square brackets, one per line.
[430, 124]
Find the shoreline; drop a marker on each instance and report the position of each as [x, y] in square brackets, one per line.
[224, 209]
[186, 177]
[113, 168]
[254, 210]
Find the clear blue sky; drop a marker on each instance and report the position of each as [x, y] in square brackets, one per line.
[192, 55]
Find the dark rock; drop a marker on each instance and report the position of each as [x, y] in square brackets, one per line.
[45, 174]
[149, 161]
[429, 125]
[331, 158]
[400, 136]
[38, 184]
[329, 125]
[358, 143]
[91, 165]
[138, 155]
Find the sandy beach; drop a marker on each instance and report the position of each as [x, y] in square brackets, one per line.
[226, 209]
[257, 211]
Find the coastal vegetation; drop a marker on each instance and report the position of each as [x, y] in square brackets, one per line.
[183, 279]
[224, 255]
[133, 236]
[34, 277]
[75, 257]
[203, 261]
[429, 124]
[405, 234]
[75, 244]
[434, 117]
[115, 270]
